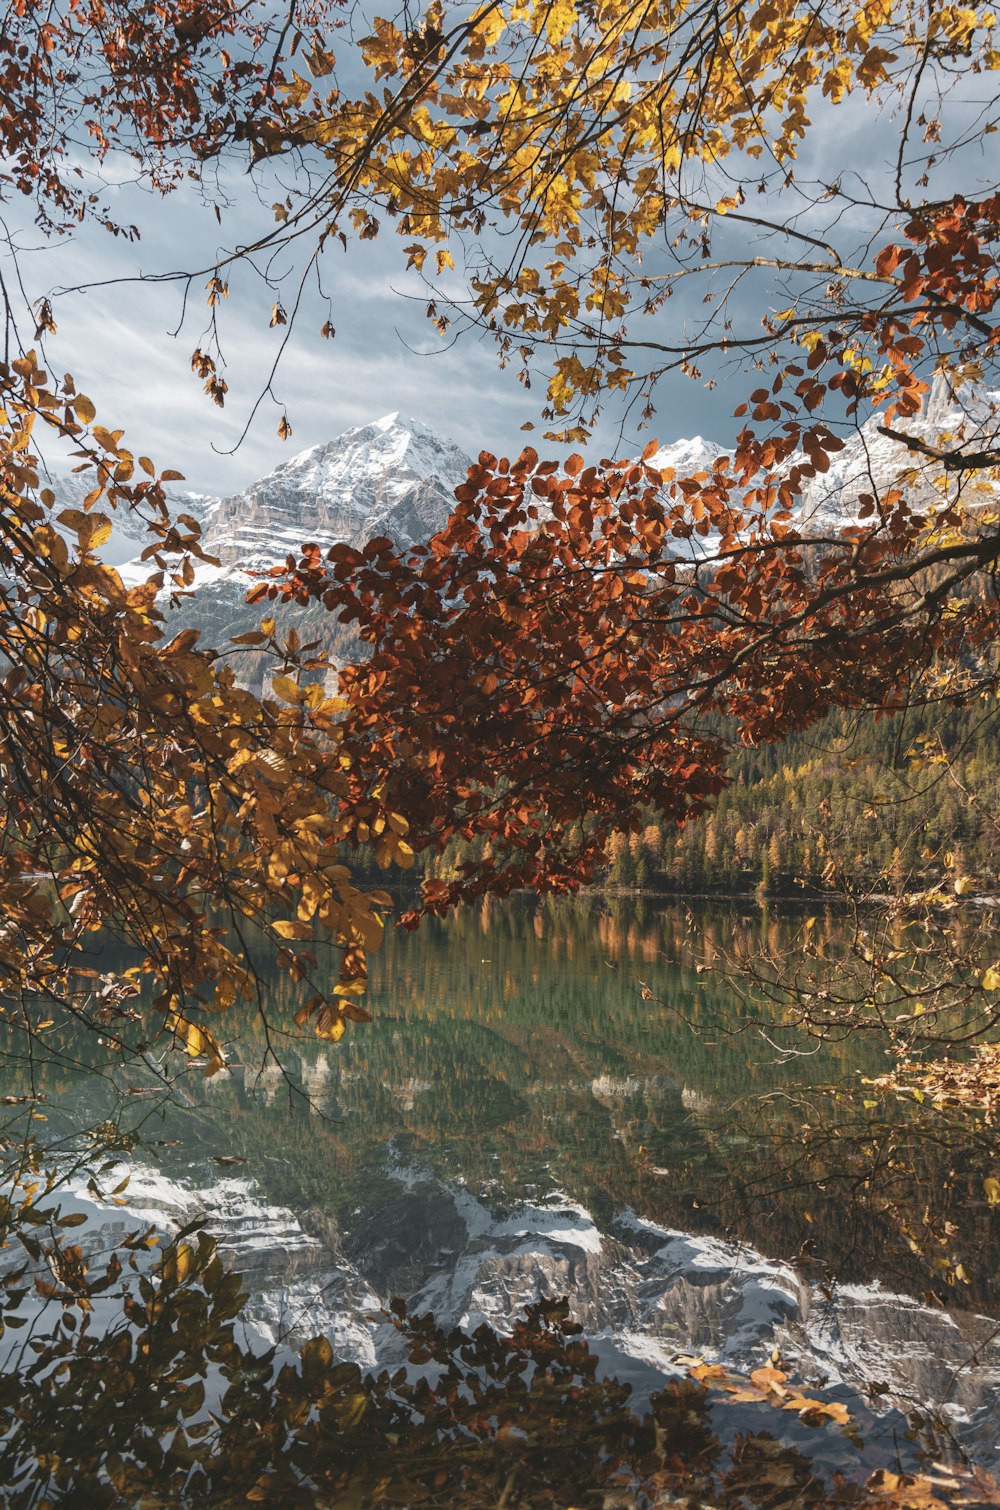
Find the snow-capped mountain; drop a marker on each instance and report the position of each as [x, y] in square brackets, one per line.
[129, 528]
[686, 457]
[956, 415]
[394, 477]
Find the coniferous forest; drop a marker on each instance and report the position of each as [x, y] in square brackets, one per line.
[499, 782]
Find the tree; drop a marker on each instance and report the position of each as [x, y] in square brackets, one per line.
[620, 187]
[169, 88]
[589, 655]
[614, 147]
[544, 672]
[147, 796]
[598, 620]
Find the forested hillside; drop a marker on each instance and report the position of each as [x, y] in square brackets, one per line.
[856, 803]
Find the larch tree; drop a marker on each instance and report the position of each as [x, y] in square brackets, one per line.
[611, 191]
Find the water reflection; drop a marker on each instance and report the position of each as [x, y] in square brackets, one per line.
[573, 1096]
[600, 1049]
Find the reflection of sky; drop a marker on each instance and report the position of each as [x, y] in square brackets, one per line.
[129, 344]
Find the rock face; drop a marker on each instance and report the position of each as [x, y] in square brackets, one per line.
[129, 528]
[397, 477]
[394, 477]
[647, 1297]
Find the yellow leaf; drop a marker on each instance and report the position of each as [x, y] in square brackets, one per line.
[991, 1189]
[559, 19]
[287, 689]
[330, 1025]
[492, 26]
[317, 1353]
[197, 1041]
[287, 929]
[84, 410]
[99, 532]
[991, 978]
[225, 993]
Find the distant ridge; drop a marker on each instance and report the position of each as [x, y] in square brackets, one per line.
[396, 477]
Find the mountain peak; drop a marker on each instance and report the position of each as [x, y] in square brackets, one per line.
[393, 476]
[687, 454]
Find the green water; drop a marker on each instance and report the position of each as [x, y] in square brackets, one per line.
[601, 1048]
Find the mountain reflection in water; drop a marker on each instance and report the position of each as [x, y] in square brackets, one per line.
[552, 1100]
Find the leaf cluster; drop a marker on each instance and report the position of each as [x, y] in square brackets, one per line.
[148, 797]
[160, 1403]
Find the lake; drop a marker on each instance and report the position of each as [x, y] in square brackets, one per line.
[576, 1097]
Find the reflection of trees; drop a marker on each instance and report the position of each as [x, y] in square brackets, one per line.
[576, 1044]
[857, 1186]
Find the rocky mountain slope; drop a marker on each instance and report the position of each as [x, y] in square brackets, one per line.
[393, 477]
[964, 417]
[129, 529]
[650, 1299]
[396, 477]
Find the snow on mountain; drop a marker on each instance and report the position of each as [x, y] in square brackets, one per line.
[957, 414]
[648, 1297]
[688, 456]
[129, 527]
[954, 416]
[394, 477]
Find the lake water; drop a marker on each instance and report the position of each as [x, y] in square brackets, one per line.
[573, 1098]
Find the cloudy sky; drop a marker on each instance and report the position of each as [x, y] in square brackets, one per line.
[128, 343]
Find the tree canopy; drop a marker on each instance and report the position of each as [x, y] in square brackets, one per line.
[615, 190]
[554, 663]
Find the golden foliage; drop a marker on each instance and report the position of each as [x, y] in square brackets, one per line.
[148, 796]
[609, 145]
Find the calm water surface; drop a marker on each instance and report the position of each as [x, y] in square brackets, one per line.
[597, 1054]
[599, 1047]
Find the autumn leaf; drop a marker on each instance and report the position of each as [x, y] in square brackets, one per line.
[197, 1042]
